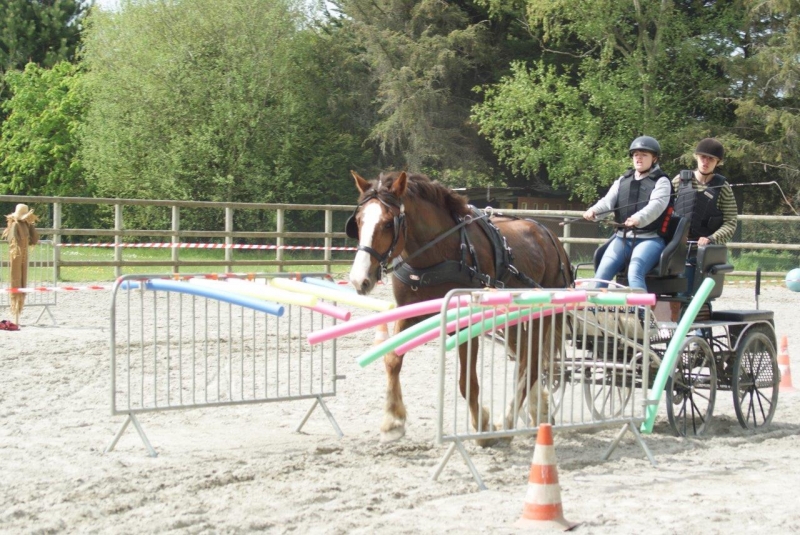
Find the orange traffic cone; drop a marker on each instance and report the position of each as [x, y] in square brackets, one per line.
[542, 508]
[381, 333]
[783, 366]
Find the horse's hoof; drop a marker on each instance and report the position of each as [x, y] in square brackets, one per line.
[486, 442]
[504, 441]
[396, 433]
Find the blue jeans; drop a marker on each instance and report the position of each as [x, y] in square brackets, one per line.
[691, 267]
[645, 255]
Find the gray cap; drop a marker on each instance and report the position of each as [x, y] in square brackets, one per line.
[645, 143]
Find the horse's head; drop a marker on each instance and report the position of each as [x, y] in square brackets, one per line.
[379, 226]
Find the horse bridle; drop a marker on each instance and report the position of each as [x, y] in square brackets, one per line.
[399, 221]
[351, 229]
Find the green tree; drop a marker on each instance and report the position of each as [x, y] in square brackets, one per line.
[212, 100]
[38, 140]
[616, 70]
[766, 140]
[423, 59]
[39, 31]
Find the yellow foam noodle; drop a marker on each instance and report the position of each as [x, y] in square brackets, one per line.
[259, 291]
[332, 294]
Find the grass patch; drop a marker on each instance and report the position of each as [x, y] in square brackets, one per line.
[43, 253]
[766, 260]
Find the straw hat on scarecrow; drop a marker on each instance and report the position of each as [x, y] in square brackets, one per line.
[20, 232]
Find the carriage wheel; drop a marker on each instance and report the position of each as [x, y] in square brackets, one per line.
[755, 380]
[607, 392]
[555, 389]
[691, 389]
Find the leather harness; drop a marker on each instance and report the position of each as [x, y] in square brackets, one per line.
[449, 271]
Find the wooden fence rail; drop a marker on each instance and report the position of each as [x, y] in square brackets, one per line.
[276, 237]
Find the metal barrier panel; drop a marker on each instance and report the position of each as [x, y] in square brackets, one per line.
[515, 359]
[41, 274]
[171, 350]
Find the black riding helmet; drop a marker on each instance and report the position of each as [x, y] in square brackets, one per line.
[710, 147]
[645, 143]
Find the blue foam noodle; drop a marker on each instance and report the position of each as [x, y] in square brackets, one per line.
[212, 293]
[328, 284]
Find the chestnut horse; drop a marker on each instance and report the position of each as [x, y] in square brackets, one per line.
[400, 215]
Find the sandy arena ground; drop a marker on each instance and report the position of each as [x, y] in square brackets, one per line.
[243, 469]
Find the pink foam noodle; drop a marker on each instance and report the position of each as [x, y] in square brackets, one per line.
[564, 298]
[641, 299]
[331, 310]
[450, 327]
[404, 312]
[496, 298]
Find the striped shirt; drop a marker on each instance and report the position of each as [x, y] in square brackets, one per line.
[727, 205]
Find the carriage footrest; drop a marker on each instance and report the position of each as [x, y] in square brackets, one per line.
[742, 315]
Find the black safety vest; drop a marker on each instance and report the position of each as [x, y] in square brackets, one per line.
[700, 206]
[635, 195]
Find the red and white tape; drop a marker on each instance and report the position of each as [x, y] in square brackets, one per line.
[207, 246]
[53, 289]
[763, 281]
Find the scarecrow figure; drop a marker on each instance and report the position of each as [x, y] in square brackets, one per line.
[20, 233]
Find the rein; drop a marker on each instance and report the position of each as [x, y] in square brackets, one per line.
[448, 270]
[466, 221]
[754, 184]
[399, 221]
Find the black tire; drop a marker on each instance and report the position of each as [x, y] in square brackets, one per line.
[692, 389]
[756, 379]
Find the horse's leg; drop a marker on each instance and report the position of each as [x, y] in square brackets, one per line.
[468, 376]
[549, 329]
[394, 416]
[527, 380]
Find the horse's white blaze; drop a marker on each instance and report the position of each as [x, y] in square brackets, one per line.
[369, 222]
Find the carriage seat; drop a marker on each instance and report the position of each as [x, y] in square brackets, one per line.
[667, 277]
[712, 262]
[743, 316]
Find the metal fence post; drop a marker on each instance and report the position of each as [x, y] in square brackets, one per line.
[328, 239]
[567, 233]
[176, 227]
[229, 237]
[279, 229]
[117, 240]
[57, 240]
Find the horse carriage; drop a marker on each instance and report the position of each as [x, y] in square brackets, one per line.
[730, 350]
[434, 242]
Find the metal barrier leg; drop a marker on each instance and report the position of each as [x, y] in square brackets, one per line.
[443, 462]
[122, 429]
[131, 418]
[453, 446]
[632, 427]
[46, 308]
[331, 419]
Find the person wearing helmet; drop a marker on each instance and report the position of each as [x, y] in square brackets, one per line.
[706, 198]
[641, 200]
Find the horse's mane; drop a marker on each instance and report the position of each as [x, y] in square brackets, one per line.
[421, 187]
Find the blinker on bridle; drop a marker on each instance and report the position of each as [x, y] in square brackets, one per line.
[399, 222]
